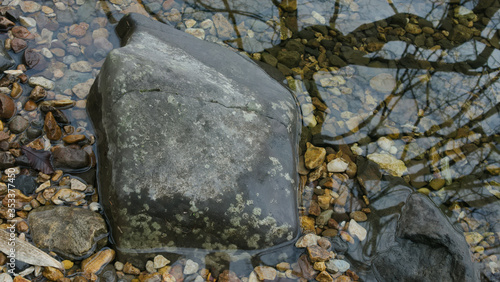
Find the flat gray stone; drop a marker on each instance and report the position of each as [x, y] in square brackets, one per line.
[197, 145]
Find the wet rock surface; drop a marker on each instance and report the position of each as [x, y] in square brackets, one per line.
[71, 232]
[213, 157]
[421, 244]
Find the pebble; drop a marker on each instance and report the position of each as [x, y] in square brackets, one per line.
[67, 264]
[7, 107]
[189, 23]
[4, 277]
[37, 93]
[357, 230]
[358, 216]
[70, 157]
[74, 138]
[314, 156]
[283, 266]
[437, 183]
[222, 25]
[190, 267]
[385, 143]
[67, 196]
[16, 91]
[307, 240]
[77, 185]
[103, 43]
[18, 124]
[413, 28]
[119, 266]
[128, 268]
[52, 273]
[307, 223]
[81, 90]
[383, 82]
[30, 6]
[18, 45]
[323, 218]
[47, 10]
[318, 17]
[160, 261]
[27, 21]
[41, 81]
[316, 253]
[51, 128]
[346, 237]
[98, 261]
[473, 238]
[79, 30]
[265, 272]
[196, 32]
[337, 265]
[149, 267]
[81, 66]
[323, 276]
[388, 162]
[337, 165]
[22, 33]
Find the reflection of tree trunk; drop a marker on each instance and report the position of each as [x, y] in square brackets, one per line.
[232, 18]
[288, 18]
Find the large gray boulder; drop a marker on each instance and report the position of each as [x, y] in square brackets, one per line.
[409, 238]
[197, 146]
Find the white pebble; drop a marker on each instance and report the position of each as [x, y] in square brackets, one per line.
[190, 267]
[357, 230]
[160, 261]
[337, 165]
[119, 266]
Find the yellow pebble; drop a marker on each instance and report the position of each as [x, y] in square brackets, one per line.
[67, 264]
[424, 191]
[135, 280]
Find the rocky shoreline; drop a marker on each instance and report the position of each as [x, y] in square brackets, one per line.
[58, 49]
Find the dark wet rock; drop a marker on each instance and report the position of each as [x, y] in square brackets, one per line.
[5, 60]
[33, 132]
[294, 45]
[18, 45]
[25, 183]
[71, 232]
[6, 160]
[460, 33]
[5, 23]
[306, 34]
[337, 61]
[202, 150]
[70, 158]
[420, 245]
[18, 124]
[34, 60]
[289, 58]
[339, 246]
[269, 59]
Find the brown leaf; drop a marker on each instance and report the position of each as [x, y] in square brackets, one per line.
[39, 160]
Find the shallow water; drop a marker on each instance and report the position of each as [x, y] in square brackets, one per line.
[435, 92]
